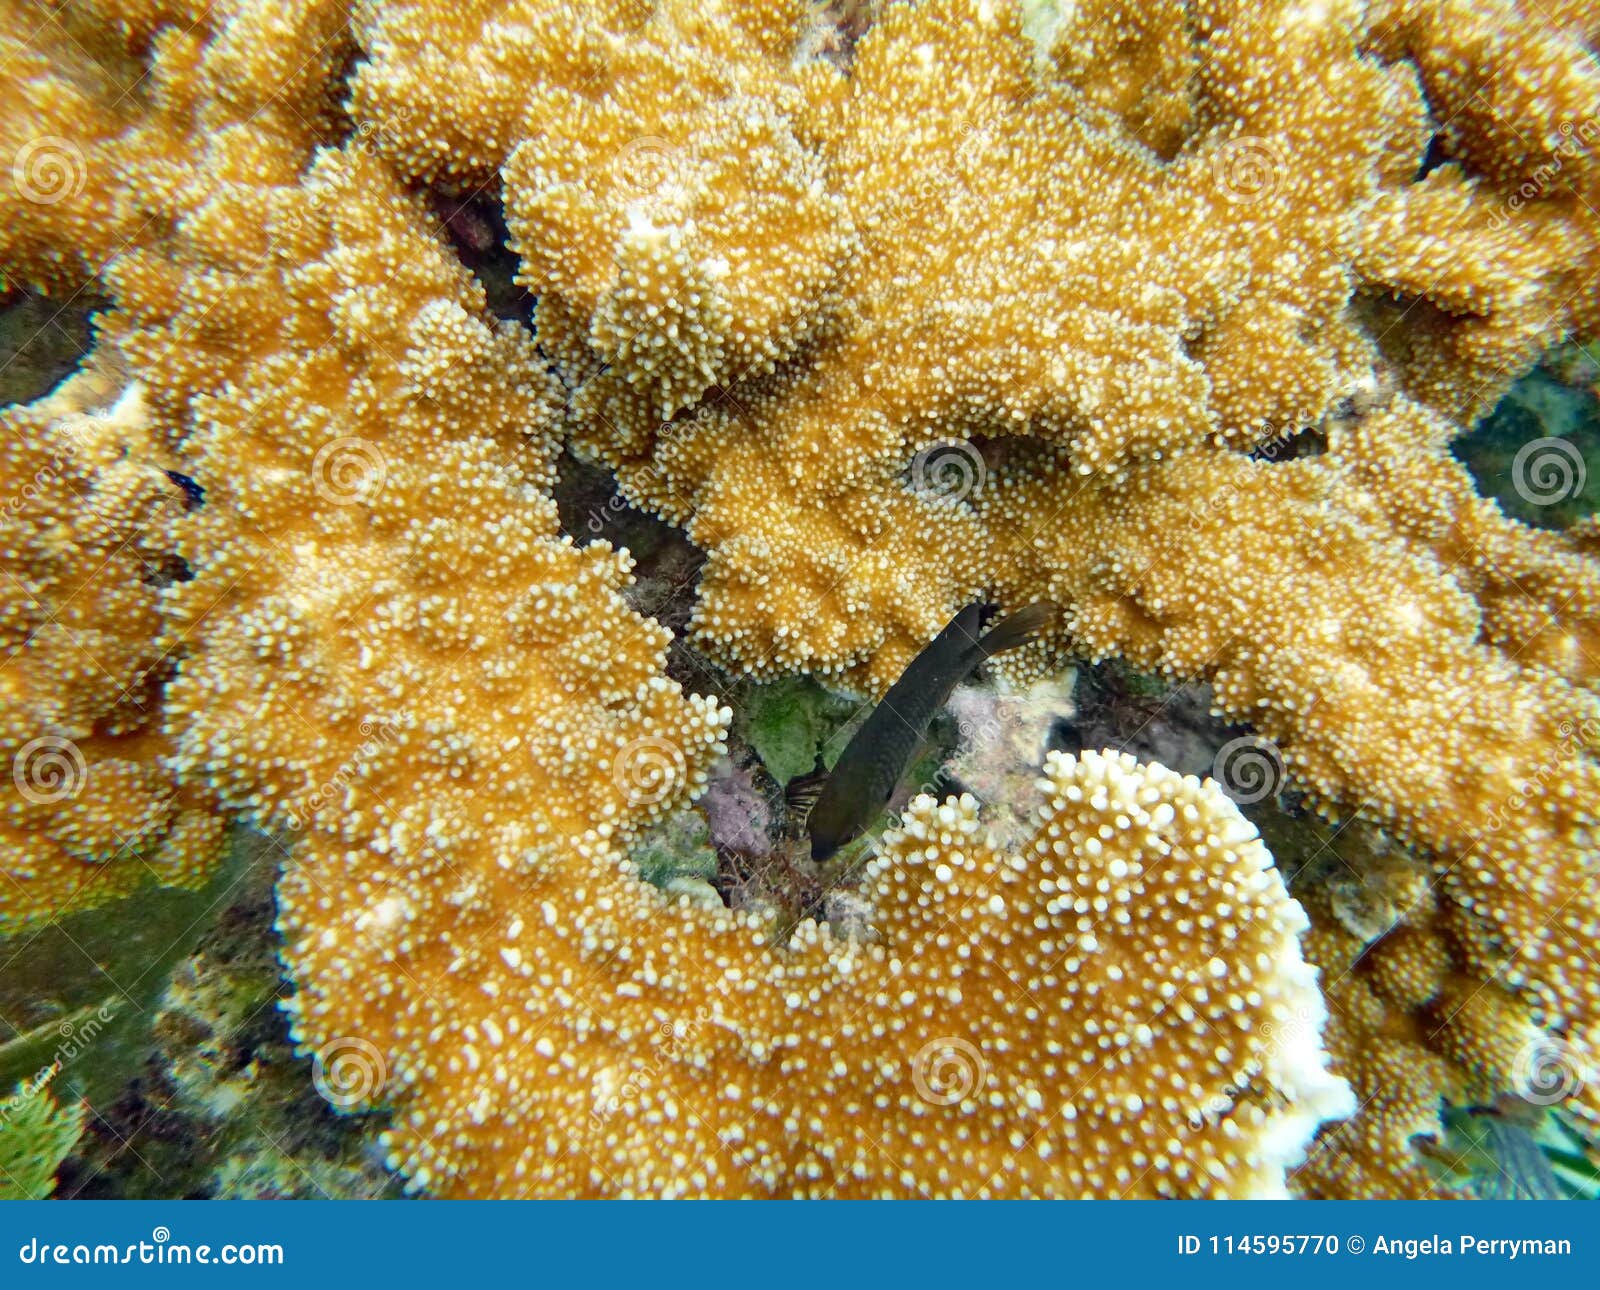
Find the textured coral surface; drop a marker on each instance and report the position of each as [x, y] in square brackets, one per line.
[1169, 313]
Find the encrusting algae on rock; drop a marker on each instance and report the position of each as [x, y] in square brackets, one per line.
[781, 297]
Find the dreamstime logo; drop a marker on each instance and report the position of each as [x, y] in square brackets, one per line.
[1290, 1034]
[642, 165]
[947, 1071]
[76, 1037]
[375, 739]
[1578, 741]
[948, 473]
[674, 1043]
[648, 770]
[1575, 144]
[348, 470]
[1548, 1070]
[1249, 769]
[349, 1072]
[48, 770]
[978, 732]
[48, 170]
[1547, 471]
[1283, 1041]
[371, 135]
[1248, 169]
[977, 142]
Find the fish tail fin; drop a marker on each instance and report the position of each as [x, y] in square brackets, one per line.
[1027, 624]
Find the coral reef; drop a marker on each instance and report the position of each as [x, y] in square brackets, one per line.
[610, 1041]
[89, 809]
[1390, 702]
[217, 1104]
[829, 290]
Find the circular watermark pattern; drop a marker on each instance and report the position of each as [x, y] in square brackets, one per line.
[1549, 1070]
[947, 1071]
[1249, 769]
[1247, 169]
[1287, 1034]
[49, 769]
[948, 473]
[48, 170]
[348, 470]
[642, 165]
[649, 770]
[1547, 471]
[349, 1072]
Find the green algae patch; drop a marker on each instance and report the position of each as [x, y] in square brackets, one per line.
[79, 992]
[676, 850]
[36, 1134]
[789, 721]
[1538, 453]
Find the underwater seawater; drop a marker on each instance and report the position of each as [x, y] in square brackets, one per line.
[799, 598]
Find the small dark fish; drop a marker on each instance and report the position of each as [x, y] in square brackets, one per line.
[194, 494]
[865, 776]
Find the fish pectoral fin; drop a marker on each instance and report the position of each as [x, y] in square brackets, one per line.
[801, 793]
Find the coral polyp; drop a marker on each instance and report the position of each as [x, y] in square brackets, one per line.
[1171, 314]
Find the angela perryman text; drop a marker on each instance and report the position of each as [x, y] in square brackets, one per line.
[1355, 1243]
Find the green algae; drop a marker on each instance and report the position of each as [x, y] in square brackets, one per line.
[36, 1134]
[220, 1104]
[1557, 401]
[677, 849]
[790, 721]
[80, 991]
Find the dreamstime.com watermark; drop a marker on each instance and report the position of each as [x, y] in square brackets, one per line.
[1575, 143]
[1248, 169]
[349, 470]
[67, 439]
[677, 1039]
[948, 1071]
[376, 737]
[642, 166]
[349, 1073]
[948, 473]
[648, 479]
[159, 1249]
[1249, 769]
[1280, 1042]
[48, 170]
[1577, 740]
[1548, 471]
[1548, 1070]
[48, 770]
[649, 770]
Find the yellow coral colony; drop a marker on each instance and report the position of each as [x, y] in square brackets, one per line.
[104, 157]
[1416, 654]
[478, 759]
[1118, 1007]
[87, 810]
[790, 299]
